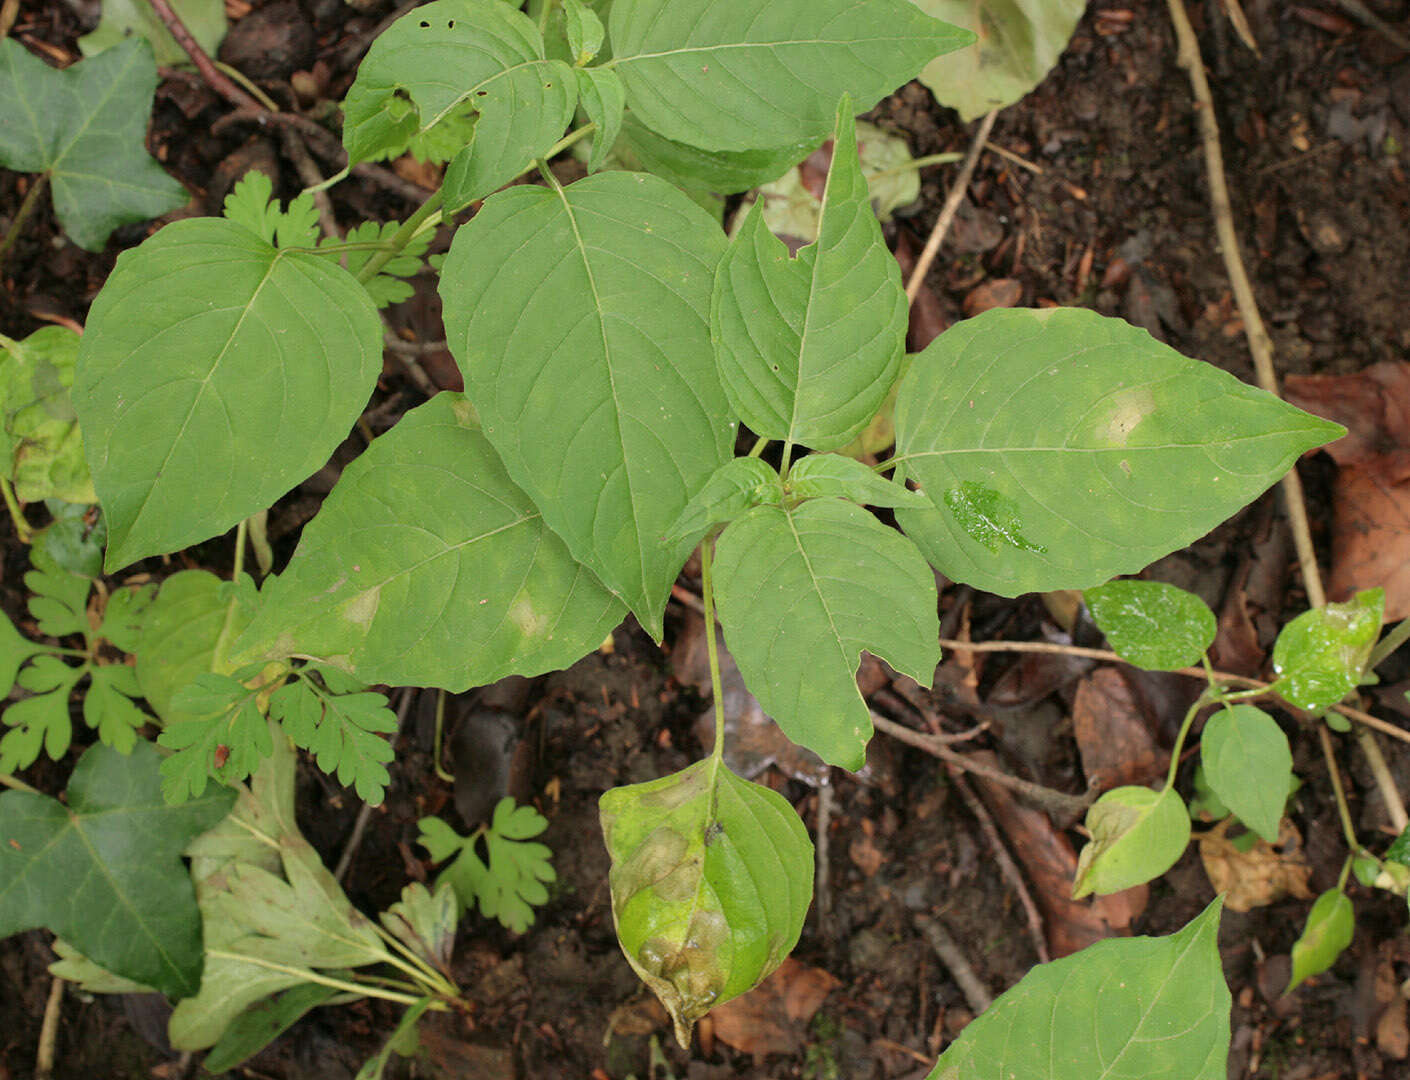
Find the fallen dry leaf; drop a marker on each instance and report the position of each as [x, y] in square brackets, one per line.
[995, 293]
[1259, 876]
[1392, 1033]
[865, 855]
[1113, 736]
[773, 1017]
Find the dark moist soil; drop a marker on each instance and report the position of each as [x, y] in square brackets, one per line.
[1118, 220]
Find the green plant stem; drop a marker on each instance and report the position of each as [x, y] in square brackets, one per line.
[248, 86]
[787, 458]
[440, 732]
[307, 975]
[1343, 810]
[22, 527]
[569, 139]
[401, 237]
[758, 447]
[428, 975]
[15, 782]
[1203, 700]
[712, 649]
[1388, 644]
[1345, 872]
[544, 15]
[337, 177]
[26, 210]
[915, 165]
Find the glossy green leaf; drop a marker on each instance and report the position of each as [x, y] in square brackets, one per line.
[205, 19]
[464, 81]
[602, 97]
[579, 318]
[1137, 835]
[262, 1023]
[426, 566]
[105, 871]
[1060, 449]
[1123, 1009]
[737, 486]
[801, 593]
[584, 29]
[832, 476]
[197, 413]
[85, 127]
[711, 879]
[1248, 764]
[342, 731]
[1399, 850]
[1151, 624]
[1330, 926]
[1320, 655]
[752, 74]
[43, 449]
[809, 346]
[511, 880]
[726, 172]
[1018, 43]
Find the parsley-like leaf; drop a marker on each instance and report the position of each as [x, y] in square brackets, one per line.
[511, 882]
[41, 721]
[342, 731]
[60, 600]
[224, 736]
[108, 707]
[251, 204]
[387, 287]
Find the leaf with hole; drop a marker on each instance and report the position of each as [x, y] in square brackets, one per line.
[1059, 448]
[1248, 764]
[1151, 624]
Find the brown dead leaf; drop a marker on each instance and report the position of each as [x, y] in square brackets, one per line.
[1371, 534]
[928, 319]
[1236, 648]
[865, 855]
[1260, 876]
[1392, 1034]
[995, 293]
[424, 174]
[773, 1017]
[1113, 737]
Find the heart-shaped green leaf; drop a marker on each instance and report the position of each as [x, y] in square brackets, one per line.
[1151, 624]
[809, 346]
[579, 318]
[1137, 835]
[426, 566]
[711, 878]
[1248, 764]
[215, 374]
[1320, 655]
[801, 593]
[1060, 449]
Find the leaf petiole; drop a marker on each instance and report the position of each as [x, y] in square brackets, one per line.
[707, 592]
[403, 236]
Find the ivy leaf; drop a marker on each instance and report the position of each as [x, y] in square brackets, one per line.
[1320, 655]
[1116, 451]
[108, 708]
[84, 127]
[197, 414]
[1151, 624]
[205, 19]
[426, 566]
[1330, 926]
[341, 731]
[1248, 764]
[462, 81]
[752, 74]
[251, 203]
[59, 600]
[388, 286]
[40, 721]
[219, 732]
[801, 593]
[510, 883]
[42, 446]
[737, 486]
[711, 879]
[821, 476]
[601, 95]
[809, 346]
[1017, 44]
[579, 319]
[1137, 835]
[1128, 1008]
[105, 871]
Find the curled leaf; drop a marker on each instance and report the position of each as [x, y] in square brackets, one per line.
[1137, 835]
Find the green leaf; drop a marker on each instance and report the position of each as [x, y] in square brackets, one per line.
[42, 445]
[85, 127]
[427, 567]
[219, 732]
[711, 879]
[402, 1041]
[388, 286]
[1151, 624]
[1330, 926]
[74, 540]
[808, 347]
[1124, 1009]
[1248, 763]
[425, 921]
[1060, 449]
[108, 707]
[1399, 850]
[197, 414]
[510, 882]
[205, 19]
[59, 602]
[801, 593]
[1320, 655]
[1018, 43]
[76, 968]
[726, 172]
[123, 616]
[464, 81]
[251, 203]
[830, 476]
[41, 721]
[15, 649]
[585, 31]
[755, 74]
[105, 871]
[579, 318]
[341, 731]
[1137, 835]
[262, 1023]
[737, 486]
[601, 95]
